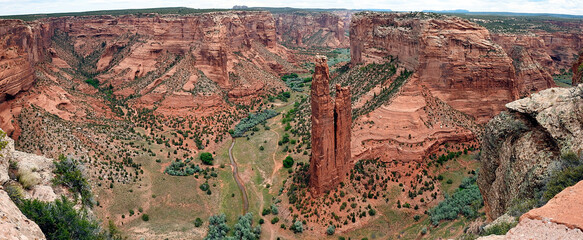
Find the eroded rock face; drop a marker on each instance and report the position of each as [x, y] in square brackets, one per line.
[454, 58]
[521, 148]
[302, 29]
[21, 47]
[531, 61]
[331, 129]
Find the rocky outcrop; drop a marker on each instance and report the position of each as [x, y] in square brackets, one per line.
[564, 208]
[537, 229]
[560, 218]
[311, 29]
[21, 47]
[14, 225]
[578, 70]
[331, 129]
[521, 148]
[454, 58]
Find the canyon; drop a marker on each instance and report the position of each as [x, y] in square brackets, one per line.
[132, 95]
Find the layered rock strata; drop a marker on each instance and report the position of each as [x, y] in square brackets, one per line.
[454, 58]
[303, 29]
[331, 129]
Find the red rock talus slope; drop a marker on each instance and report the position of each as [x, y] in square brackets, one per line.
[577, 69]
[454, 58]
[331, 123]
[21, 46]
[309, 29]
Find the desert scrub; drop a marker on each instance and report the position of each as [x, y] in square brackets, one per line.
[27, 178]
[499, 229]
[60, 220]
[251, 121]
[69, 172]
[466, 201]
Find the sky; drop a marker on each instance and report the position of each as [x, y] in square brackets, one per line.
[575, 7]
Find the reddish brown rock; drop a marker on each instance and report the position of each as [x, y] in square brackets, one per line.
[454, 58]
[565, 208]
[22, 45]
[331, 124]
[305, 29]
[531, 61]
[578, 71]
[342, 127]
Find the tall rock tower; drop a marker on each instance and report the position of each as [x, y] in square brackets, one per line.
[331, 124]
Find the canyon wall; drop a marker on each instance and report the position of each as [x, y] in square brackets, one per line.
[522, 147]
[311, 29]
[22, 45]
[331, 129]
[177, 65]
[454, 58]
[577, 69]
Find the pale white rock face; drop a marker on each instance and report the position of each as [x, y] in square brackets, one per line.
[559, 111]
[13, 224]
[5, 157]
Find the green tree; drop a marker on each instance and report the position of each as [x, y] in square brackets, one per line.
[218, 228]
[206, 158]
[288, 162]
[298, 227]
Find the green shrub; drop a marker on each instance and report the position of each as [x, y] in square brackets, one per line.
[145, 217]
[206, 158]
[561, 180]
[466, 200]
[288, 162]
[69, 172]
[251, 121]
[182, 169]
[331, 229]
[297, 227]
[265, 211]
[499, 229]
[218, 228]
[274, 220]
[60, 220]
[93, 82]
[198, 222]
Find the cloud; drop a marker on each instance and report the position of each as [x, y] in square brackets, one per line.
[11, 7]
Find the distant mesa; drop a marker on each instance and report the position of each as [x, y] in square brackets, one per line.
[240, 7]
[331, 124]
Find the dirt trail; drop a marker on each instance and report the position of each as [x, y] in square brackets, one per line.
[238, 179]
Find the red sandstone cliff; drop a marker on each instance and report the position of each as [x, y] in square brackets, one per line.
[331, 129]
[306, 29]
[178, 65]
[22, 45]
[454, 58]
[531, 61]
[577, 69]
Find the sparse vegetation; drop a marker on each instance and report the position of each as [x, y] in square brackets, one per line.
[69, 172]
[466, 201]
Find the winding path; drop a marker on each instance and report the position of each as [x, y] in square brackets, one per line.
[238, 180]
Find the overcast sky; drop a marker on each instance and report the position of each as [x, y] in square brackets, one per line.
[10, 7]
